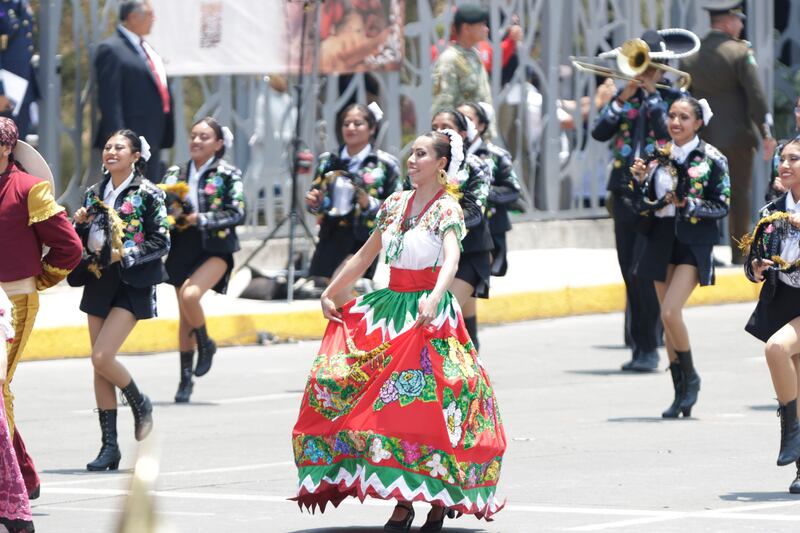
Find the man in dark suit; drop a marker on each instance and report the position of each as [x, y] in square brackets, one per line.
[132, 84]
[725, 73]
[16, 51]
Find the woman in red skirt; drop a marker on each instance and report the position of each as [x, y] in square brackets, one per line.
[398, 404]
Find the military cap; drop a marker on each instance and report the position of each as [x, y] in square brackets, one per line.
[725, 7]
[471, 14]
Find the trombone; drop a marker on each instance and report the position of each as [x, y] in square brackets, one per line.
[633, 58]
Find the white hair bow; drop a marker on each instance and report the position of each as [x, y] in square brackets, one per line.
[706, 109]
[376, 110]
[227, 137]
[145, 151]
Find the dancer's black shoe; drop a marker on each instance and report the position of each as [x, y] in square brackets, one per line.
[109, 456]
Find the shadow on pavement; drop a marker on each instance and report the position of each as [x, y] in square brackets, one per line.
[610, 347]
[379, 529]
[608, 372]
[165, 403]
[650, 419]
[770, 407]
[773, 496]
[79, 472]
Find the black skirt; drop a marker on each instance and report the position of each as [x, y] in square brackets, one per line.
[475, 268]
[769, 317]
[101, 295]
[499, 254]
[186, 255]
[337, 240]
[663, 248]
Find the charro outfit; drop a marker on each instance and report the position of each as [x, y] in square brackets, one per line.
[393, 411]
[635, 129]
[217, 196]
[725, 73]
[15, 509]
[343, 226]
[505, 190]
[685, 235]
[131, 282]
[30, 218]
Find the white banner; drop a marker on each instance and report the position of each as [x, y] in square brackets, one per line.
[219, 37]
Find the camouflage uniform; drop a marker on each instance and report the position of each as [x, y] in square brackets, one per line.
[458, 76]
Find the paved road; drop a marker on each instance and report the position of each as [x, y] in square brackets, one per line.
[588, 450]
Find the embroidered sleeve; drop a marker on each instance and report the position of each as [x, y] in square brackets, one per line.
[225, 201]
[41, 204]
[709, 188]
[449, 218]
[55, 232]
[505, 184]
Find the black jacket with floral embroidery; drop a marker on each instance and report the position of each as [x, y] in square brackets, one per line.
[145, 238]
[505, 187]
[705, 184]
[379, 176]
[769, 246]
[220, 203]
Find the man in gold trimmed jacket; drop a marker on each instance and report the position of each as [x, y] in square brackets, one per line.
[30, 218]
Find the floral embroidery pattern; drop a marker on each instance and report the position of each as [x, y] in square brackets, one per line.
[442, 216]
[622, 148]
[379, 449]
[409, 385]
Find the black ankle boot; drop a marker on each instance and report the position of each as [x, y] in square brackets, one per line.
[186, 385]
[109, 456]
[790, 434]
[206, 348]
[794, 488]
[472, 328]
[142, 410]
[677, 383]
[691, 382]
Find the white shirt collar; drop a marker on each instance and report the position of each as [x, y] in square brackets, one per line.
[135, 40]
[111, 193]
[682, 152]
[357, 159]
[203, 167]
[791, 203]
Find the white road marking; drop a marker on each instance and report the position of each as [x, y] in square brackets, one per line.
[126, 475]
[57, 507]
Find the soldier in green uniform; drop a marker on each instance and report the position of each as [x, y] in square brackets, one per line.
[458, 74]
[725, 73]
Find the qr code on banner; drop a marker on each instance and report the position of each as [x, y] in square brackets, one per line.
[210, 24]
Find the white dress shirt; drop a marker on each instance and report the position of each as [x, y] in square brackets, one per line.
[790, 244]
[194, 179]
[144, 49]
[343, 189]
[97, 236]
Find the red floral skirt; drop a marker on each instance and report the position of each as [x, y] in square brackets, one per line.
[395, 411]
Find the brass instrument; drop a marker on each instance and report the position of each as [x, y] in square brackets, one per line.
[633, 58]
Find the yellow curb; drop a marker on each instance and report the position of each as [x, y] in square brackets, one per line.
[160, 335]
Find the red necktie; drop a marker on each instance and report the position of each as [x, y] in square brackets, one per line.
[162, 89]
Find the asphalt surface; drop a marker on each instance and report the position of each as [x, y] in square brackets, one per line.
[588, 450]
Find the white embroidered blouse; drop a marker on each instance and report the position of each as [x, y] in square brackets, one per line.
[420, 246]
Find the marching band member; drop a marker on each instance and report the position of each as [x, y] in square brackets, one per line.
[505, 188]
[687, 189]
[776, 318]
[29, 218]
[474, 268]
[347, 192]
[203, 221]
[124, 229]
